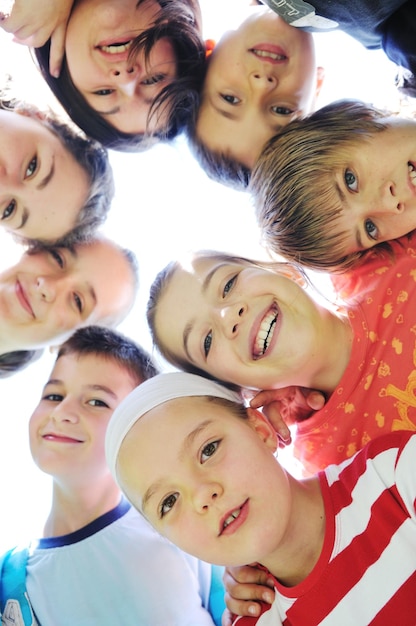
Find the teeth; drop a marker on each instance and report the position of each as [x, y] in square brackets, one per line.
[265, 334]
[116, 48]
[231, 518]
[412, 174]
[270, 55]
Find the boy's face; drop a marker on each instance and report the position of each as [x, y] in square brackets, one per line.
[240, 323]
[259, 78]
[207, 480]
[42, 187]
[48, 294]
[67, 428]
[377, 187]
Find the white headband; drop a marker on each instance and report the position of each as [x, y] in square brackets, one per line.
[151, 394]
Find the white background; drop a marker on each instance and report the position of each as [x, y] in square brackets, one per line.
[164, 206]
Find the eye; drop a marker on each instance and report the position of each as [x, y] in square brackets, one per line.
[371, 229]
[53, 397]
[229, 285]
[103, 92]
[230, 99]
[209, 450]
[78, 302]
[351, 180]
[153, 80]
[9, 210]
[32, 167]
[168, 504]
[100, 403]
[57, 256]
[279, 110]
[207, 343]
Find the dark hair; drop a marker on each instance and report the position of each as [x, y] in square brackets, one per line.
[11, 362]
[89, 154]
[113, 346]
[292, 184]
[178, 21]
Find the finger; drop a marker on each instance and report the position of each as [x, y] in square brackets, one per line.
[315, 399]
[226, 619]
[57, 50]
[264, 397]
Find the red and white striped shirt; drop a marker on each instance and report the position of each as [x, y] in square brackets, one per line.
[366, 574]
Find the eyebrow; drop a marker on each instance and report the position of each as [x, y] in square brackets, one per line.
[186, 445]
[343, 200]
[188, 328]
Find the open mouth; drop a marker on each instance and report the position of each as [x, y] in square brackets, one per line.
[117, 47]
[265, 332]
[266, 54]
[230, 519]
[412, 173]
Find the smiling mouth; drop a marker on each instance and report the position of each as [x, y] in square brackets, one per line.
[265, 333]
[412, 173]
[116, 48]
[266, 54]
[23, 299]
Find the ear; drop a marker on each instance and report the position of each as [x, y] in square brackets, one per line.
[261, 425]
[320, 76]
[209, 47]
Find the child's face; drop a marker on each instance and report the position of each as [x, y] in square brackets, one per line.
[67, 428]
[259, 78]
[97, 48]
[48, 294]
[377, 187]
[42, 187]
[193, 469]
[240, 323]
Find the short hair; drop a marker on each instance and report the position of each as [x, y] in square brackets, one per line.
[161, 282]
[112, 346]
[89, 154]
[176, 21]
[292, 183]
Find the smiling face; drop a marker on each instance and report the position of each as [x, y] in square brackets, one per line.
[97, 44]
[259, 78]
[42, 187]
[49, 294]
[192, 467]
[67, 428]
[242, 324]
[377, 187]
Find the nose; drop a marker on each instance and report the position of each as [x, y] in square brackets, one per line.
[46, 288]
[389, 200]
[231, 317]
[206, 495]
[125, 72]
[65, 411]
[262, 82]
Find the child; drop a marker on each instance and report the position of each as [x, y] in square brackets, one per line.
[55, 185]
[340, 546]
[263, 74]
[99, 562]
[130, 70]
[254, 325]
[51, 292]
[331, 186]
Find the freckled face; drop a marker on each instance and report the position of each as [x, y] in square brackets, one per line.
[193, 469]
[42, 187]
[240, 323]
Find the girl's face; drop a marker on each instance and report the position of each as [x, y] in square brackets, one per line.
[193, 469]
[377, 187]
[240, 323]
[98, 38]
[49, 294]
[42, 187]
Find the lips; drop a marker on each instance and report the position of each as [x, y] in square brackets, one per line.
[23, 298]
[233, 519]
[115, 50]
[265, 332]
[412, 173]
[269, 53]
[59, 438]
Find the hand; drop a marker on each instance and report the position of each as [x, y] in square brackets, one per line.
[34, 22]
[284, 407]
[245, 586]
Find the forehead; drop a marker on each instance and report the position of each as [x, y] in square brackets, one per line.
[92, 370]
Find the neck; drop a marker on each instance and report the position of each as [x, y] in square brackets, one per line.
[301, 547]
[74, 508]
